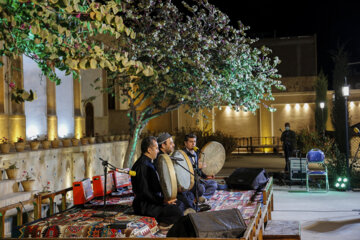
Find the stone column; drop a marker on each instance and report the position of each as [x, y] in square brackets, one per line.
[4, 120]
[17, 121]
[79, 124]
[265, 126]
[51, 109]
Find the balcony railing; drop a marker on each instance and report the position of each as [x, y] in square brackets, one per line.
[253, 144]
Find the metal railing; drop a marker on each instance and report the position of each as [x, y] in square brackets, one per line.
[253, 143]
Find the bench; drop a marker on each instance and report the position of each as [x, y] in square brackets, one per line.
[276, 229]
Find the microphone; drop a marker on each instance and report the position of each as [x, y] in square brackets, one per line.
[196, 149]
[177, 159]
[356, 130]
[131, 173]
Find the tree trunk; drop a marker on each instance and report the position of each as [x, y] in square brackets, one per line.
[131, 149]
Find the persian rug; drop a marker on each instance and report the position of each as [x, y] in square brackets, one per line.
[118, 220]
[78, 222]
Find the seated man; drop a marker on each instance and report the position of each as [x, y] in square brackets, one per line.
[167, 145]
[149, 199]
[206, 188]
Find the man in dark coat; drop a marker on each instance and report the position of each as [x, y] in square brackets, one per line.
[206, 188]
[288, 138]
[149, 198]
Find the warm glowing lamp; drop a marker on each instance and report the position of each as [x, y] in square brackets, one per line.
[287, 107]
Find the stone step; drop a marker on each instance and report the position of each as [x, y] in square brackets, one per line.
[11, 198]
[8, 186]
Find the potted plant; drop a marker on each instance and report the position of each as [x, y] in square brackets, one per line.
[66, 142]
[91, 140]
[45, 190]
[12, 171]
[84, 140]
[55, 143]
[75, 141]
[111, 138]
[117, 138]
[28, 183]
[35, 143]
[105, 138]
[4, 145]
[19, 144]
[99, 139]
[45, 143]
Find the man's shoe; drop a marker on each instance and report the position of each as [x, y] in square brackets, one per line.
[202, 199]
[189, 210]
[204, 207]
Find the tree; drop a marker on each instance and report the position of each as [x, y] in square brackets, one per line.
[62, 34]
[157, 56]
[198, 60]
[321, 114]
[340, 59]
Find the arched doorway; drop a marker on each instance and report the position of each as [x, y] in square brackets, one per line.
[89, 119]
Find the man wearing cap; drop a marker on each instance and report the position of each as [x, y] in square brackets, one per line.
[149, 198]
[166, 146]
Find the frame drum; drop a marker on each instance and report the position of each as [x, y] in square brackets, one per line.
[184, 170]
[167, 177]
[213, 155]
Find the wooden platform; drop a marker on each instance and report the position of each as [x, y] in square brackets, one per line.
[276, 229]
[256, 223]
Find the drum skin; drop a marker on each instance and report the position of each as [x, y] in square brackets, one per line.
[184, 178]
[167, 176]
[213, 155]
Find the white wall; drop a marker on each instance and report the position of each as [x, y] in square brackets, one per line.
[88, 77]
[35, 111]
[65, 105]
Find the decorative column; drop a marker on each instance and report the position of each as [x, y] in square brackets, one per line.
[51, 109]
[79, 124]
[17, 121]
[4, 120]
[265, 127]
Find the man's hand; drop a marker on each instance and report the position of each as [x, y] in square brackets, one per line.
[202, 164]
[171, 202]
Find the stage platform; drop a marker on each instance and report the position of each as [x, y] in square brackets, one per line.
[118, 219]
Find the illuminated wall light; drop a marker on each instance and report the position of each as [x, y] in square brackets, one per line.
[228, 109]
[306, 106]
[220, 108]
[63, 131]
[352, 104]
[297, 106]
[237, 109]
[32, 132]
[287, 107]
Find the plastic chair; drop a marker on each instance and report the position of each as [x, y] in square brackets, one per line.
[316, 156]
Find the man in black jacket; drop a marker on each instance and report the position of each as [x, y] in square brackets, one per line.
[149, 198]
[288, 138]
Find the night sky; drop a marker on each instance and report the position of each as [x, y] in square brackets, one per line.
[334, 23]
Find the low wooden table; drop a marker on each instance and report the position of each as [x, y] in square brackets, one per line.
[276, 229]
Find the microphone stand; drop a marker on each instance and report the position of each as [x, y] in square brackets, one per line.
[104, 214]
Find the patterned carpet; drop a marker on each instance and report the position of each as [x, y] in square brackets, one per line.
[118, 219]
